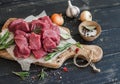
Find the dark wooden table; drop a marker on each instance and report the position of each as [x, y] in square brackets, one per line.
[105, 12]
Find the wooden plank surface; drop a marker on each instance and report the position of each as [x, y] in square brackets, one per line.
[105, 12]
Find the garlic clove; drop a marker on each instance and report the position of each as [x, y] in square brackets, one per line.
[68, 13]
[75, 11]
[72, 11]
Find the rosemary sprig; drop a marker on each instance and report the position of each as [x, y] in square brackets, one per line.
[59, 49]
[0, 37]
[64, 47]
[78, 45]
[50, 55]
[4, 37]
[6, 45]
[37, 30]
[65, 36]
[22, 75]
[42, 74]
[3, 40]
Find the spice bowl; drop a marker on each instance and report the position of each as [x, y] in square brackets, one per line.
[89, 30]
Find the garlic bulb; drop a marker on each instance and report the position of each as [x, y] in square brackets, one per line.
[72, 11]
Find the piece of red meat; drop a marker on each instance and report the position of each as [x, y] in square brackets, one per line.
[18, 54]
[20, 32]
[35, 41]
[21, 41]
[52, 31]
[22, 44]
[36, 24]
[23, 26]
[12, 25]
[49, 45]
[47, 20]
[39, 53]
[19, 24]
[52, 35]
[56, 29]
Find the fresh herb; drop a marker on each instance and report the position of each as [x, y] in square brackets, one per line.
[22, 75]
[50, 55]
[6, 45]
[10, 42]
[65, 35]
[42, 74]
[4, 37]
[64, 47]
[59, 49]
[3, 41]
[37, 30]
[78, 45]
[0, 37]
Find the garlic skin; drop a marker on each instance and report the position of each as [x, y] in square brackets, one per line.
[72, 11]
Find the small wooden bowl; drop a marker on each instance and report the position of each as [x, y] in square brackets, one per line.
[90, 23]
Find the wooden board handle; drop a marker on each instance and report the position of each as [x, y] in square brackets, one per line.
[85, 51]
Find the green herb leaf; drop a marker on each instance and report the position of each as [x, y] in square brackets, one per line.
[42, 74]
[3, 40]
[0, 37]
[65, 35]
[59, 49]
[6, 45]
[50, 55]
[4, 37]
[10, 42]
[2, 47]
[22, 75]
[78, 45]
[64, 47]
[37, 30]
